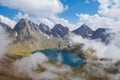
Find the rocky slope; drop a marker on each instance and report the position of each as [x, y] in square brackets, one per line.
[84, 31]
[6, 27]
[60, 31]
[27, 37]
[103, 34]
[45, 29]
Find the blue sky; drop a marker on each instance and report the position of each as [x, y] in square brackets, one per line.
[80, 7]
[94, 13]
[8, 12]
[74, 6]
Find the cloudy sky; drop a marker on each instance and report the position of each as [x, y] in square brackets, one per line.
[70, 13]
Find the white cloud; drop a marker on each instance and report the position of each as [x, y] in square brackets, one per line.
[38, 11]
[7, 21]
[20, 16]
[48, 22]
[57, 20]
[30, 67]
[87, 1]
[3, 43]
[107, 16]
[51, 21]
[109, 8]
[36, 20]
[46, 11]
[96, 21]
[64, 22]
[111, 51]
[89, 44]
[39, 8]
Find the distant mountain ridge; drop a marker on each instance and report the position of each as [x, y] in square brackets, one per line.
[45, 29]
[84, 31]
[60, 31]
[27, 30]
[103, 34]
[6, 27]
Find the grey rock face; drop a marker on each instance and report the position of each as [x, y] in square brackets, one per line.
[59, 31]
[6, 27]
[45, 29]
[102, 34]
[25, 29]
[84, 31]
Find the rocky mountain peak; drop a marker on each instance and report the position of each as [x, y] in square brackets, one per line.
[25, 29]
[5, 26]
[101, 30]
[103, 34]
[21, 24]
[60, 31]
[58, 26]
[45, 29]
[84, 26]
[27, 36]
[84, 31]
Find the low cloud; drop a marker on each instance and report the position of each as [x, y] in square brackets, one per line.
[110, 51]
[7, 21]
[3, 43]
[37, 66]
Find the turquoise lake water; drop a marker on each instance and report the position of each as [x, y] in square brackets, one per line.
[63, 56]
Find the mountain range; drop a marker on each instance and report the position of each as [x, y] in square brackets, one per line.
[84, 31]
[27, 36]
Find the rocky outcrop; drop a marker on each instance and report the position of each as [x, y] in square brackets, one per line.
[28, 37]
[83, 31]
[60, 31]
[45, 29]
[6, 27]
[103, 34]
